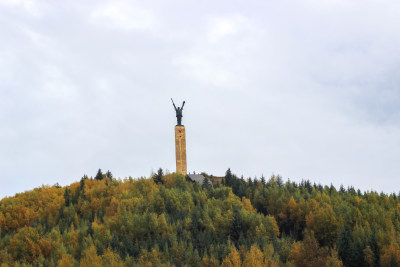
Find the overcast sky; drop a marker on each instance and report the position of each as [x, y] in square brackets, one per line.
[306, 89]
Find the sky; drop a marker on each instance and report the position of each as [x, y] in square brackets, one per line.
[305, 89]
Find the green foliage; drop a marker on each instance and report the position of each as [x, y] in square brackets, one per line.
[157, 177]
[168, 221]
[109, 174]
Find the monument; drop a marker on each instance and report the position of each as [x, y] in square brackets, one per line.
[180, 141]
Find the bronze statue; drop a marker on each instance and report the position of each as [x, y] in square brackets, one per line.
[178, 112]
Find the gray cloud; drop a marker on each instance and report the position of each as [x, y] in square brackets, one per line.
[304, 89]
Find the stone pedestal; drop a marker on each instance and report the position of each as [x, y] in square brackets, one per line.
[180, 149]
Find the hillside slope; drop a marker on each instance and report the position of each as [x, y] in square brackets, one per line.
[168, 221]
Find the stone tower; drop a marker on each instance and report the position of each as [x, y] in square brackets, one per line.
[180, 149]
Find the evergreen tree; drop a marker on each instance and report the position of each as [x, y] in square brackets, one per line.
[157, 177]
[109, 174]
[279, 180]
[66, 197]
[263, 180]
[346, 248]
[206, 182]
[393, 262]
[228, 178]
[236, 227]
[373, 244]
[99, 175]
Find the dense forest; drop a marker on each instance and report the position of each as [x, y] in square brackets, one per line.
[170, 221]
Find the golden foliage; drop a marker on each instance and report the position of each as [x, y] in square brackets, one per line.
[390, 253]
[254, 258]
[112, 222]
[309, 254]
[90, 258]
[233, 259]
[25, 245]
[111, 259]
[247, 205]
[324, 224]
[66, 261]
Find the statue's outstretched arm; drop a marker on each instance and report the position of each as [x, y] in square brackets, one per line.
[183, 104]
[173, 103]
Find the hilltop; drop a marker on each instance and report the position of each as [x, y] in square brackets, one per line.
[167, 220]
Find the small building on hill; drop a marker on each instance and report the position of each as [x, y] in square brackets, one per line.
[200, 178]
[197, 178]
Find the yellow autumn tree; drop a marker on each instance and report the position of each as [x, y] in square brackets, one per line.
[111, 259]
[390, 255]
[308, 253]
[247, 205]
[254, 257]
[333, 259]
[66, 261]
[324, 224]
[233, 259]
[151, 258]
[24, 245]
[90, 258]
[369, 256]
[209, 262]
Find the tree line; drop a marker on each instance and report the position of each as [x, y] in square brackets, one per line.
[170, 221]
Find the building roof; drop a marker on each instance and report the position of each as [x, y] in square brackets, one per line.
[197, 178]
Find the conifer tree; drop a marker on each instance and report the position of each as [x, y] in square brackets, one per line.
[393, 262]
[109, 174]
[206, 182]
[66, 197]
[157, 177]
[99, 175]
[228, 178]
[236, 226]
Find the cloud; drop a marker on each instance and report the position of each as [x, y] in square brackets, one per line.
[30, 7]
[123, 15]
[225, 26]
[203, 69]
[220, 51]
[304, 89]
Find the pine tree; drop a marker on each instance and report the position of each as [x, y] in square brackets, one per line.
[66, 197]
[81, 188]
[157, 177]
[228, 178]
[236, 226]
[346, 248]
[279, 180]
[99, 175]
[206, 182]
[109, 175]
[262, 180]
[393, 262]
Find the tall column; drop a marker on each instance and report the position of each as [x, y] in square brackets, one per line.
[180, 149]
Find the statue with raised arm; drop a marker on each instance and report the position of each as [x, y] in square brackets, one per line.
[178, 111]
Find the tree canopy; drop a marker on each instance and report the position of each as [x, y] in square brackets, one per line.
[167, 220]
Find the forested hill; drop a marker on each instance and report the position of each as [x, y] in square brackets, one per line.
[166, 221]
